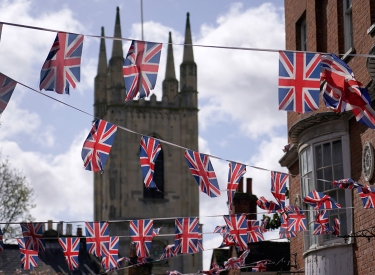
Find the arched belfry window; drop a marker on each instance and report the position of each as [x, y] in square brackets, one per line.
[153, 193]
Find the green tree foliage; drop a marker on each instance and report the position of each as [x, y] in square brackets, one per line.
[16, 198]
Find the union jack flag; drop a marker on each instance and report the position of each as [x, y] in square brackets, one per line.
[278, 187]
[174, 272]
[367, 195]
[97, 145]
[63, 64]
[7, 86]
[215, 270]
[299, 81]
[97, 238]
[200, 243]
[260, 266]
[342, 92]
[236, 263]
[285, 234]
[320, 201]
[33, 236]
[321, 222]
[149, 151]
[186, 238]
[156, 231]
[270, 206]
[141, 232]
[169, 251]
[201, 168]
[70, 248]
[263, 227]
[236, 172]
[346, 184]
[335, 228]
[141, 261]
[1, 241]
[29, 258]
[238, 229]
[296, 219]
[118, 263]
[140, 68]
[228, 240]
[110, 259]
[243, 256]
[254, 231]
[221, 229]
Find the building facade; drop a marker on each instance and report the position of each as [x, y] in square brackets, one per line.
[119, 192]
[332, 146]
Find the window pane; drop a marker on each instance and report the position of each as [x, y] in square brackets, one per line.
[338, 172]
[320, 184]
[318, 157]
[341, 197]
[308, 159]
[328, 176]
[336, 152]
[327, 154]
[303, 163]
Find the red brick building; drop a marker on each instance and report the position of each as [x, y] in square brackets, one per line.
[331, 146]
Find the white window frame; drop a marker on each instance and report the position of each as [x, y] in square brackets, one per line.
[315, 241]
[348, 25]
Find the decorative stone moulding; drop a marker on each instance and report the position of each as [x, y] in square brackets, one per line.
[368, 161]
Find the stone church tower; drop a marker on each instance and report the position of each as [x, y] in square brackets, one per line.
[119, 193]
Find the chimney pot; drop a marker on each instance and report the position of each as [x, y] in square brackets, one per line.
[50, 224]
[69, 230]
[249, 186]
[79, 231]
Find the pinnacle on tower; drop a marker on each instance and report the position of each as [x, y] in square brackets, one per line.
[170, 71]
[117, 44]
[102, 64]
[188, 48]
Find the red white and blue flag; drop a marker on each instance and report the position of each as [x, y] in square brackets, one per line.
[201, 168]
[175, 272]
[284, 232]
[299, 81]
[29, 257]
[346, 183]
[70, 248]
[278, 187]
[236, 172]
[186, 235]
[270, 206]
[97, 145]
[140, 68]
[7, 86]
[169, 251]
[238, 229]
[321, 222]
[63, 64]
[149, 151]
[110, 259]
[342, 92]
[367, 195]
[260, 266]
[320, 201]
[215, 270]
[236, 263]
[254, 231]
[97, 238]
[33, 236]
[141, 232]
[296, 219]
[335, 228]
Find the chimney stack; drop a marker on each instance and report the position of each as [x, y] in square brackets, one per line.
[50, 224]
[240, 186]
[249, 186]
[60, 228]
[69, 229]
[79, 232]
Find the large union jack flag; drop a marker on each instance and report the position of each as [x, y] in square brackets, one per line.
[236, 172]
[346, 183]
[97, 238]
[299, 81]
[342, 92]
[33, 236]
[7, 86]
[1, 241]
[97, 145]
[141, 232]
[367, 195]
[321, 222]
[320, 201]
[70, 248]
[29, 257]
[63, 64]
[149, 151]
[186, 235]
[169, 251]
[140, 68]
[278, 187]
[238, 229]
[110, 259]
[254, 231]
[270, 206]
[201, 168]
[296, 219]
